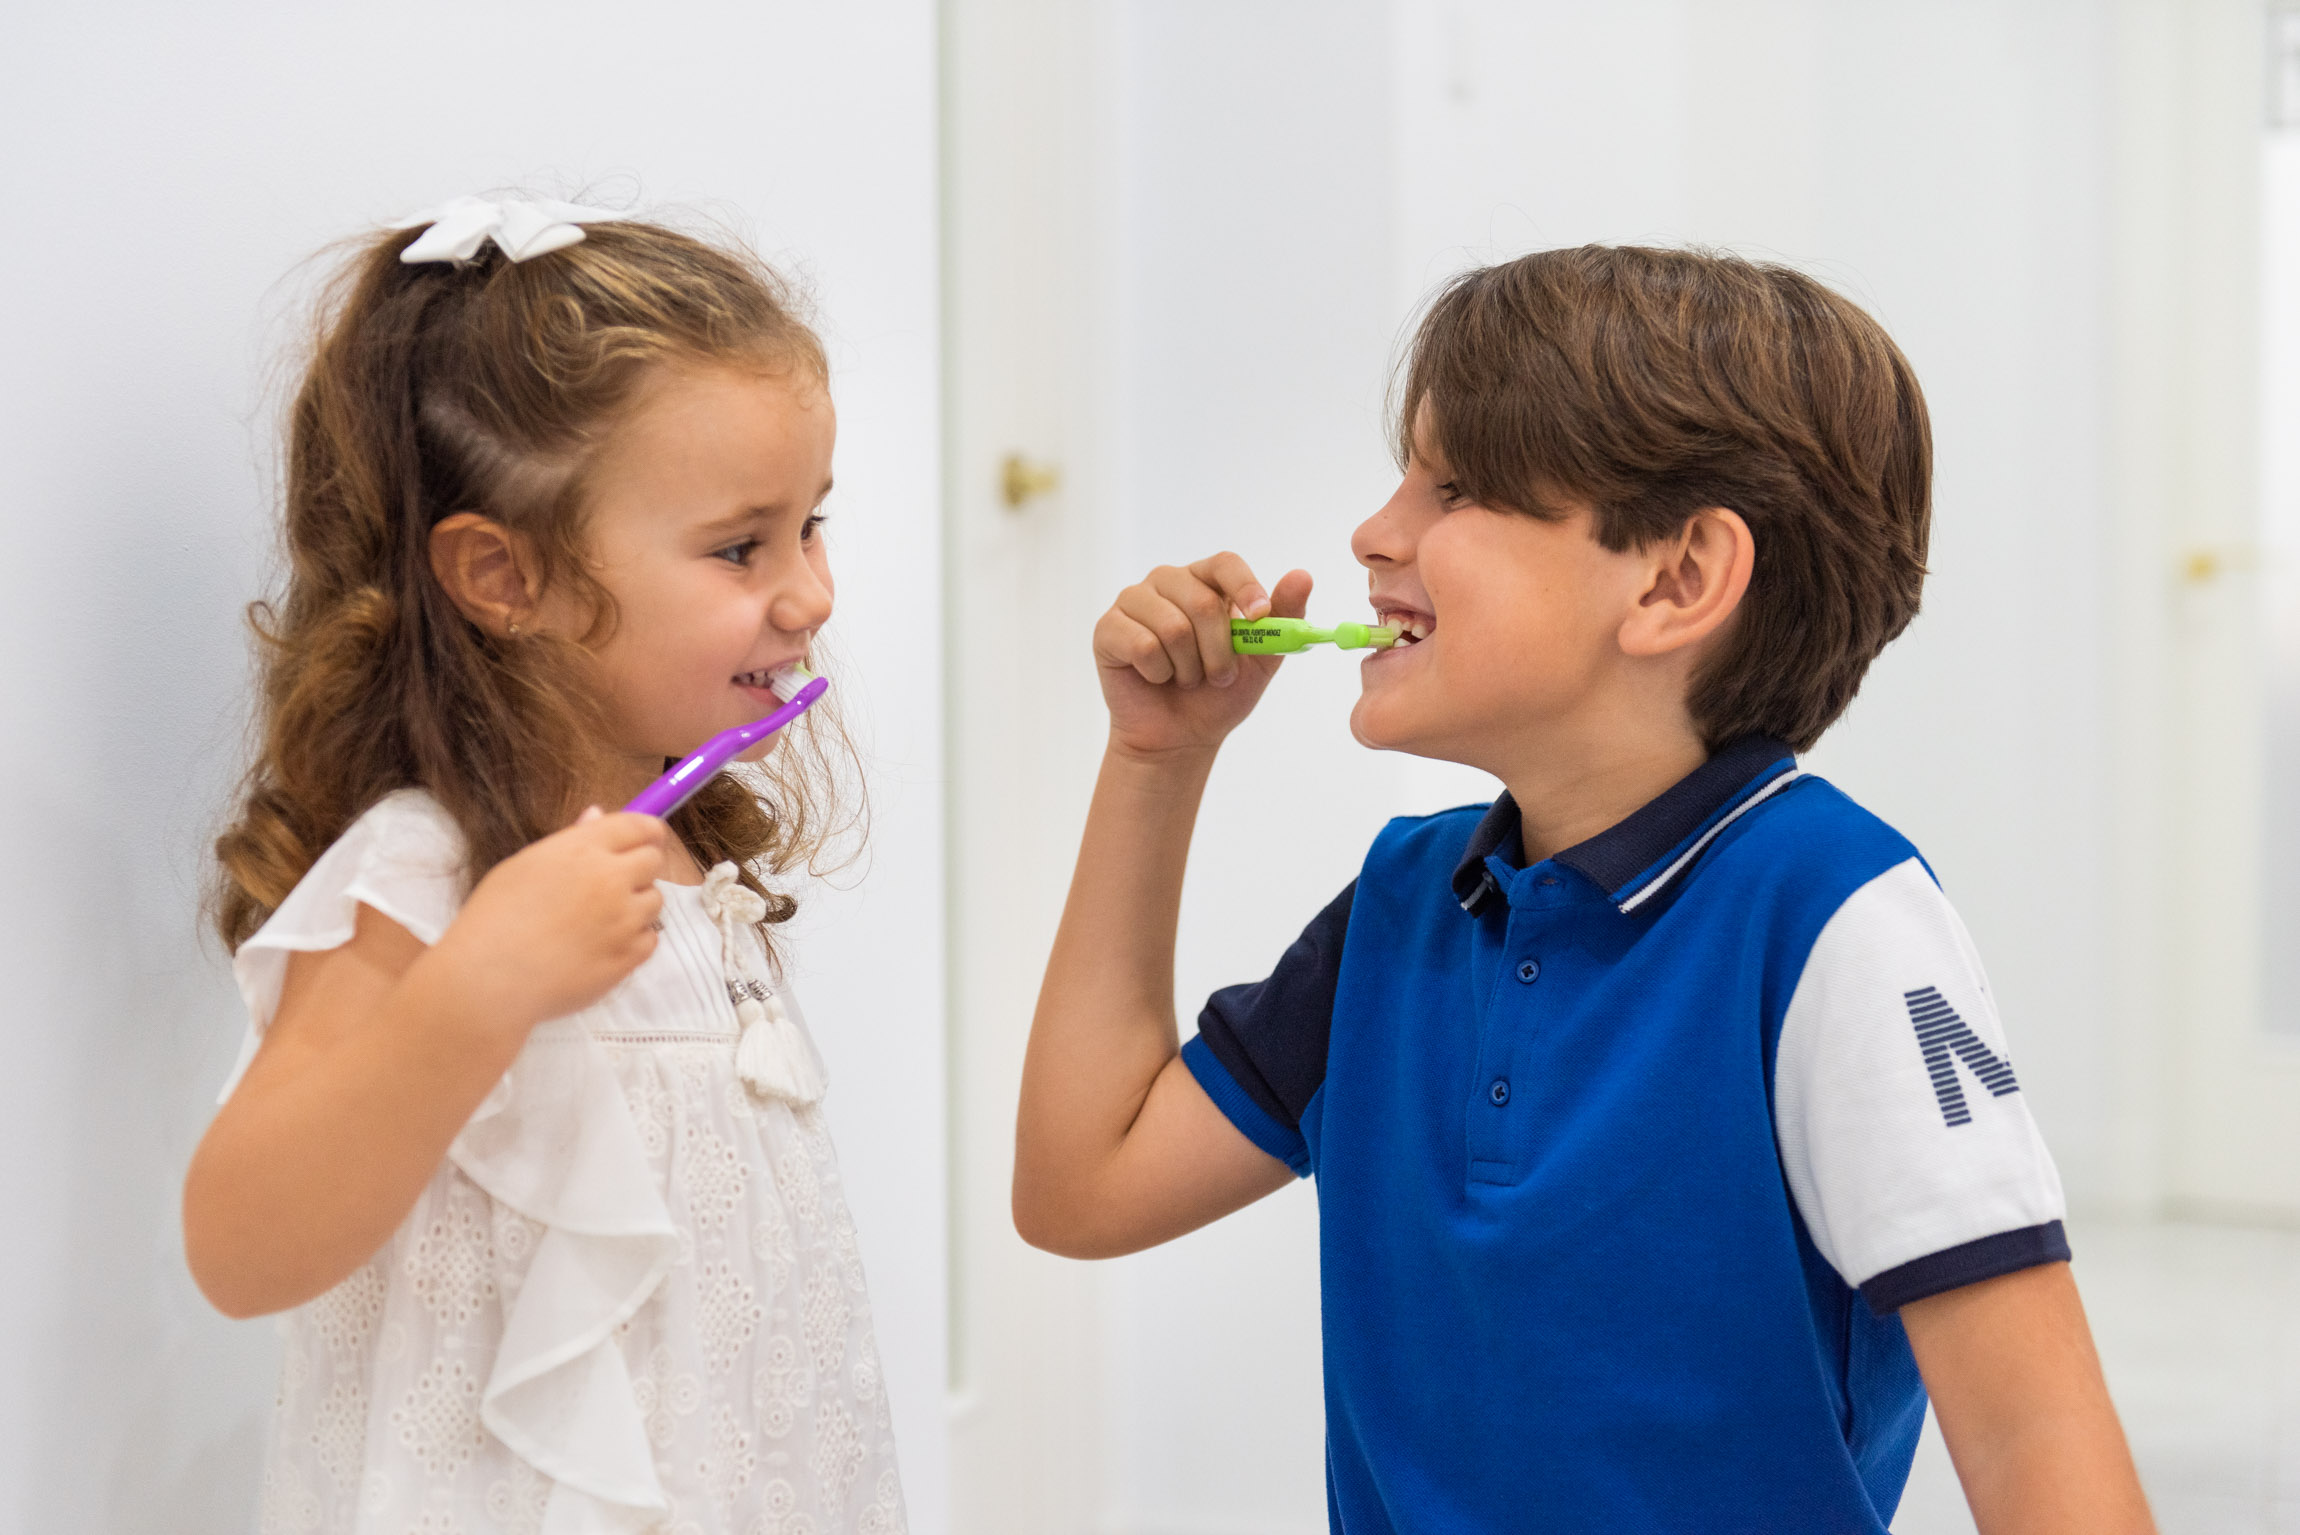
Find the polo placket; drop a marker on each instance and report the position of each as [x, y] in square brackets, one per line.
[1515, 950]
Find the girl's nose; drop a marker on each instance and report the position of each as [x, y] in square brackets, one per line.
[803, 602]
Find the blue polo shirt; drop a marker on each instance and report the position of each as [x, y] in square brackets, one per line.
[1626, 1160]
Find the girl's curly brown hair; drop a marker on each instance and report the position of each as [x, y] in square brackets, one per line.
[484, 386]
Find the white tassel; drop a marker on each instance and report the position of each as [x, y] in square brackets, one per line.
[773, 1055]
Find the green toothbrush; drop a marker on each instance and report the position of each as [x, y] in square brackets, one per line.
[1276, 636]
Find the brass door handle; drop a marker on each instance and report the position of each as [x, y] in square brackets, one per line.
[2209, 562]
[1021, 480]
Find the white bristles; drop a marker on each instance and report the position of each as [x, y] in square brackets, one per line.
[788, 680]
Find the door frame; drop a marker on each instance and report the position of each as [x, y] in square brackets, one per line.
[2207, 1100]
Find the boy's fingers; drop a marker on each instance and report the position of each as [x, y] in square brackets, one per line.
[1208, 609]
[1292, 598]
[1120, 641]
[1155, 611]
[1234, 579]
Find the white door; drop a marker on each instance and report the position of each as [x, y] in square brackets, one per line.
[1020, 252]
[2212, 321]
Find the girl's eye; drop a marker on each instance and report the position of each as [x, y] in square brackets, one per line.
[812, 526]
[1449, 493]
[738, 553]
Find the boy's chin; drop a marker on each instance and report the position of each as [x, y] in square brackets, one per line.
[1378, 723]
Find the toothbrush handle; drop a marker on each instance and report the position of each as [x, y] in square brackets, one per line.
[1274, 636]
[676, 787]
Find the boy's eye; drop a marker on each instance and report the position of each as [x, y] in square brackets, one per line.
[1448, 492]
[812, 526]
[737, 553]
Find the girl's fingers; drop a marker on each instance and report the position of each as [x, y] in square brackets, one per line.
[641, 865]
[627, 829]
[1208, 609]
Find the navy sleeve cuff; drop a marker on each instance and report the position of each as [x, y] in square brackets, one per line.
[1253, 1121]
[2007, 1252]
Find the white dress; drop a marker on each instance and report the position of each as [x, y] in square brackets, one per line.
[630, 1299]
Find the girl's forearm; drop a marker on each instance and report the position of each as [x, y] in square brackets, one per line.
[319, 1156]
[1105, 1023]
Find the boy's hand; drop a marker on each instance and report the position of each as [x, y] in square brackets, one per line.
[555, 926]
[1169, 676]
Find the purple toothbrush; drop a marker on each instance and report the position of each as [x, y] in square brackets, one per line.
[795, 685]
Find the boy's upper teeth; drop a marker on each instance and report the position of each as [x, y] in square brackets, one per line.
[1408, 624]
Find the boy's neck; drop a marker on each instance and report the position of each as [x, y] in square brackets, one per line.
[1569, 789]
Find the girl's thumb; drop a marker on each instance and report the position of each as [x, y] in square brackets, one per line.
[591, 814]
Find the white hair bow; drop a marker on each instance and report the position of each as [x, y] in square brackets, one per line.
[519, 229]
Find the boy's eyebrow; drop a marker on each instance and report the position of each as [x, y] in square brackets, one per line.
[743, 517]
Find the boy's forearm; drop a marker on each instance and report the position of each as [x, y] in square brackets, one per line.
[1105, 1023]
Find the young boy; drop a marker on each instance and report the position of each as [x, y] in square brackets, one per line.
[1663, 1127]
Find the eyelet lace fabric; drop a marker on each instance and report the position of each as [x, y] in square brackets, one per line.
[630, 1302]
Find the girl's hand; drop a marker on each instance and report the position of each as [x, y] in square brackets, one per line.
[555, 926]
[1169, 676]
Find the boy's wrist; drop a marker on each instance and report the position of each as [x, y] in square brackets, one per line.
[1161, 761]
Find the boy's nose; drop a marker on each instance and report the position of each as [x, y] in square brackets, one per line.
[1381, 539]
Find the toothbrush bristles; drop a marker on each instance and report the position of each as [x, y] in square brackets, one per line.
[787, 682]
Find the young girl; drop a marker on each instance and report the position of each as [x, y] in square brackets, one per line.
[555, 1255]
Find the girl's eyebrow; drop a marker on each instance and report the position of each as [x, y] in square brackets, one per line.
[743, 517]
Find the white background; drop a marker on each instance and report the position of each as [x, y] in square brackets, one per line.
[170, 168]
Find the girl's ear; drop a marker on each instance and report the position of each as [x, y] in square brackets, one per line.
[486, 570]
[1695, 583]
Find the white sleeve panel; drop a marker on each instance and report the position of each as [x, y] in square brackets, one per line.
[1903, 1129]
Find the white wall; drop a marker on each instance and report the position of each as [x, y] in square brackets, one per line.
[168, 166]
[1295, 177]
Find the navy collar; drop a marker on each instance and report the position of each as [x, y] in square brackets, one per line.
[1635, 859]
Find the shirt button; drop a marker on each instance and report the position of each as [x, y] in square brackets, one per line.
[1499, 1092]
[1529, 971]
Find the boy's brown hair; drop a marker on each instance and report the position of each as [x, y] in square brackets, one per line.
[1647, 384]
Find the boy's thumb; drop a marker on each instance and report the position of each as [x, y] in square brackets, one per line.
[591, 814]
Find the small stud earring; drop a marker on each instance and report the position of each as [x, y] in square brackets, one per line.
[514, 628]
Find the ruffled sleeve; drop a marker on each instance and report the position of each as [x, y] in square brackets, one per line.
[404, 858]
[553, 1140]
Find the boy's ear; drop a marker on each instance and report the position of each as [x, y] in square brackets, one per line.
[1695, 582]
[486, 570]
